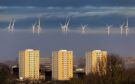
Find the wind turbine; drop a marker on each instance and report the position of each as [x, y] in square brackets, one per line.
[33, 28]
[65, 27]
[12, 27]
[62, 27]
[38, 27]
[108, 29]
[121, 29]
[126, 27]
[9, 26]
[83, 27]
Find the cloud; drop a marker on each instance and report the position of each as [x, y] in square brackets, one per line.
[92, 15]
[58, 12]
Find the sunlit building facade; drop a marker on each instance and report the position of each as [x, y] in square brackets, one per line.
[29, 64]
[62, 65]
[96, 62]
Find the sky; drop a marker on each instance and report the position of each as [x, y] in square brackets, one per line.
[95, 13]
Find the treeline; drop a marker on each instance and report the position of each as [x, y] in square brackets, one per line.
[116, 74]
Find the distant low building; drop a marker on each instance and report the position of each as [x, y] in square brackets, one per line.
[129, 62]
[79, 73]
[48, 64]
[15, 71]
[45, 68]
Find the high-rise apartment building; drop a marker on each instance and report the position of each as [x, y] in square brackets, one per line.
[62, 65]
[29, 64]
[96, 62]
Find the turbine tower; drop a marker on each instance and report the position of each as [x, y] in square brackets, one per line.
[108, 29]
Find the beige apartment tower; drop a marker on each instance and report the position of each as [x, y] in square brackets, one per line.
[62, 65]
[96, 62]
[29, 64]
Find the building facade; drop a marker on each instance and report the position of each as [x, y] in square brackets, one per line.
[95, 62]
[62, 65]
[29, 64]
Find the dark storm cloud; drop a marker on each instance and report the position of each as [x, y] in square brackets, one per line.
[62, 3]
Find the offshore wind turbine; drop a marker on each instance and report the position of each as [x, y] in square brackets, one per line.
[121, 29]
[33, 28]
[65, 27]
[62, 27]
[11, 25]
[126, 27]
[38, 27]
[108, 29]
[83, 27]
